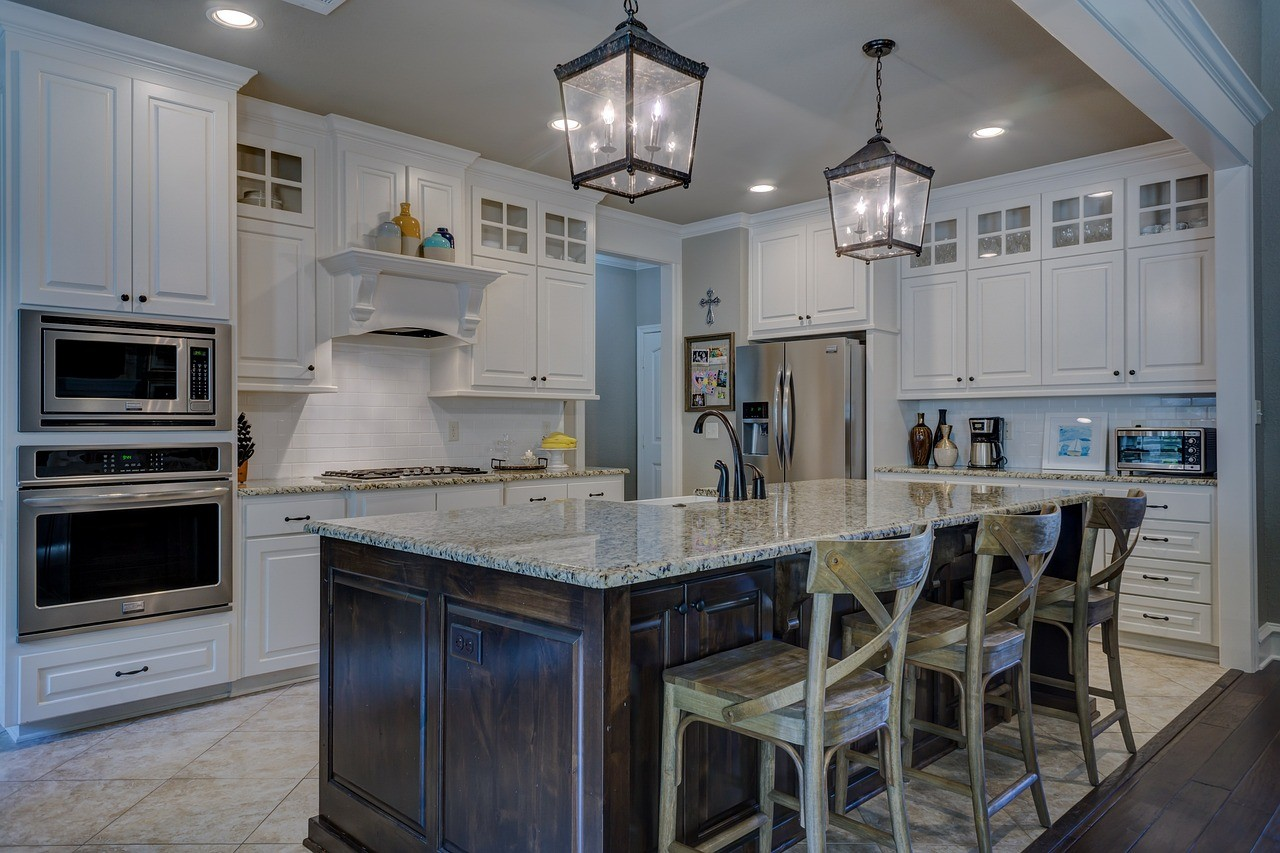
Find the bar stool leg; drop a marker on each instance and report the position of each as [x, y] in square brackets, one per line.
[1080, 665]
[891, 770]
[840, 796]
[909, 675]
[670, 770]
[768, 764]
[1111, 633]
[814, 802]
[1026, 734]
[971, 691]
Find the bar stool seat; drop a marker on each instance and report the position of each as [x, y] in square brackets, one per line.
[1062, 600]
[1001, 646]
[854, 707]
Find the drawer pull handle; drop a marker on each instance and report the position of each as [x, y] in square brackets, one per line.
[1157, 618]
[297, 518]
[120, 674]
[1157, 506]
[543, 498]
[1155, 578]
[1155, 538]
[595, 494]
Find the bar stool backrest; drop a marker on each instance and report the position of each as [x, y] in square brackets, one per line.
[862, 568]
[1123, 517]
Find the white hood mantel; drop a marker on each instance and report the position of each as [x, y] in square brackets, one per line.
[381, 292]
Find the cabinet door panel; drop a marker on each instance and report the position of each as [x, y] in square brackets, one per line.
[506, 348]
[1083, 323]
[74, 143]
[566, 330]
[372, 192]
[281, 603]
[1004, 326]
[181, 194]
[838, 286]
[778, 279]
[1169, 313]
[437, 201]
[277, 305]
[933, 332]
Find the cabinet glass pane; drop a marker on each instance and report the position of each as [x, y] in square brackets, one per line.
[1017, 242]
[1193, 189]
[491, 236]
[290, 197]
[517, 241]
[517, 216]
[578, 253]
[945, 253]
[989, 223]
[989, 247]
[1097, 204]
[1018, 217]
[925, 258]
[945, 229]
[1154, 221]
[578, 229]
[1097, 231]
[555, 249]
[250, 159]
[926, 236]
[491, 211]
[1193, 215]
[555, 225]
[1153, 195]
[287, 167]
[1065, 210]
[1065, 235]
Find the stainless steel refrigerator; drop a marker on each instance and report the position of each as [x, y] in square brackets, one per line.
[801, 408]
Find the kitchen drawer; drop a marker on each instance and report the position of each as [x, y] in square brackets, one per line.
[101, 674]
[468, 497]
[391, 501]
[1175, 505]
[1175, 540]
[603, 489]
[1178, 620]
[1178, 580]
[273, 516]
[524, 493]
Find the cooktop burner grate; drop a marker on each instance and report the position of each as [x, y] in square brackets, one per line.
[416, 472]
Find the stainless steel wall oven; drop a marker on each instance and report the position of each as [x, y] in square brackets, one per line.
[114, 534]
[99, 372]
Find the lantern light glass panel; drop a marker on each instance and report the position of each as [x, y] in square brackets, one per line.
[869, 223]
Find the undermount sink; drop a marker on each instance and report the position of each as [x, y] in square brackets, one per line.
[679, 500]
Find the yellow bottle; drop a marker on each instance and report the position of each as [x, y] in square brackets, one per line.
[410, 230]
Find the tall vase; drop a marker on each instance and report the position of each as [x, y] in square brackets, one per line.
[945, 452]
[920, 441]
[410, 230]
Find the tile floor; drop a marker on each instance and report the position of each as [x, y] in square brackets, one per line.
[240, 775]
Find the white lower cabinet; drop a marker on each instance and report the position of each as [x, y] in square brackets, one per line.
[607, 488]
[83, 677]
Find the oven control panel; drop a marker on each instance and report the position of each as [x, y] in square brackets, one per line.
[89, 464]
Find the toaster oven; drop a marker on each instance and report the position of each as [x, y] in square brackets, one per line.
[1185, 451]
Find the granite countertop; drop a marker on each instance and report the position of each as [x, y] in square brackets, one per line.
[603, 544]
[310, 485]
[1040, 474]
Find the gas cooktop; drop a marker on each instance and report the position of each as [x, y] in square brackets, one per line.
[416, 472]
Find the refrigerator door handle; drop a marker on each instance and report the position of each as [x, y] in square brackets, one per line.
[789, 414]
[775, 421]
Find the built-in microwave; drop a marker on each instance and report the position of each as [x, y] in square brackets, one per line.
[106, 372]
[1185, 451]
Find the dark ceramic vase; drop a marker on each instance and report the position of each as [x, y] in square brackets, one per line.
[920, 441]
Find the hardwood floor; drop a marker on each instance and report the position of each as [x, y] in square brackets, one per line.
[1208, 781]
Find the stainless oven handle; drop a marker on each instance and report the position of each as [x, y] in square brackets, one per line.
[128, 497]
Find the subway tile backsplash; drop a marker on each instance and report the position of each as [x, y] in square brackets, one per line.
[1024, 419]
[381, 416]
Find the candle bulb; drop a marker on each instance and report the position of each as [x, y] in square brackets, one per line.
[608, 115]
[655, 129]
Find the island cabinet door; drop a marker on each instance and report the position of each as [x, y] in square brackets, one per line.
[676, 624]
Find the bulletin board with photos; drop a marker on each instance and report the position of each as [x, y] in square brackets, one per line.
[708, 373]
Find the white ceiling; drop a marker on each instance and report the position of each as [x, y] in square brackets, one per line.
[789, 91]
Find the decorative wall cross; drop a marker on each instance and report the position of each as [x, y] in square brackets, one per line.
[710, 303]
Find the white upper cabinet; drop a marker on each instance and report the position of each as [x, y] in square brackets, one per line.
[1004, 232]
[934, 332]
[943, 247]
[276, 334]
[566, 331]
[566, 239]
[798, 286]
[1170, 206]
[1169, 313]
[1082, 220]
[505, 354]
[504, 226]
[124, 186]
[275, 180]
[1004, 326]
[1082, 325]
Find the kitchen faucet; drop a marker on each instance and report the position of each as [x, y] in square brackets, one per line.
[739, 470]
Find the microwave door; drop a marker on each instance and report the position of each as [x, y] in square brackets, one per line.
[95, 374]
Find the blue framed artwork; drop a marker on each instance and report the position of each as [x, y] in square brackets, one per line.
[1075, 442]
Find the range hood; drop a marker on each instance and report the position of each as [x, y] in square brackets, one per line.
[436, 302]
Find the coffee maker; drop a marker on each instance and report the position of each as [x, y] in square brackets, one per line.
[985, 448]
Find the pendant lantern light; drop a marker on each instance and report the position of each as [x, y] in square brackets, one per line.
[878, 197]
[632, 104]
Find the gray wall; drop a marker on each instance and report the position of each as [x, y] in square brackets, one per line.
[717, 261]
[1266, 284]
[1237, 23]
[611, 420]
[648, 296]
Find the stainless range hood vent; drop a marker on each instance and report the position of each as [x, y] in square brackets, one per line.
[406, 297]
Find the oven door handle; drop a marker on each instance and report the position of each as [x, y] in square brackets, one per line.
[127, 497]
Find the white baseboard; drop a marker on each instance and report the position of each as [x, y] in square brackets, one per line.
[1268, 643]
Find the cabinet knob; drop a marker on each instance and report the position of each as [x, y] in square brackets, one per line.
[124, 297]
[311, 367]
[1133, 373]
[970, 378]
[533, 379]
[142, 298]
[1115, 373]
[699, 605]
[544, 379]
[800, 318]
[682, 608]
[808, 317]
[959, 378]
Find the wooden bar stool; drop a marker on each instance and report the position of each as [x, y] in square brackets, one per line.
[1076, 607]
[940, 638]
[804, 702]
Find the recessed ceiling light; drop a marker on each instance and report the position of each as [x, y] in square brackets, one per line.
[987, 132]
[762, 188]
[235, 19]
[561, 124]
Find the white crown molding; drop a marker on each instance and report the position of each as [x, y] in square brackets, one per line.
[627, 217]
[449, 156]
[532, 181]
[711, 226]
[33, 23]
[632, 264]
[253, 109]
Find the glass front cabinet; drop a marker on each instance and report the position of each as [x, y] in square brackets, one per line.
[1004, 233]
[274, 180]
[1169, 206]
[942, 248]
[1083, 220]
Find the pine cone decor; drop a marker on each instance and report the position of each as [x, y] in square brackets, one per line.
[244, 440]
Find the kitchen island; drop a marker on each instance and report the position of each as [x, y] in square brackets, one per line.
[490, 679]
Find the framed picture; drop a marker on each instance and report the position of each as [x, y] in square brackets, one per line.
[1075, 442]
[708, 372]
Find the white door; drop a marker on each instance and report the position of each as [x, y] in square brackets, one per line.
[1004, 326]
[506, 349]
[837, 286]
[1083, 322]
[372, 191]
[648, 412]
[777, 276]
[1169, 313]
[281, 603]
[276, 337]
[566, 331]
[933, 332]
